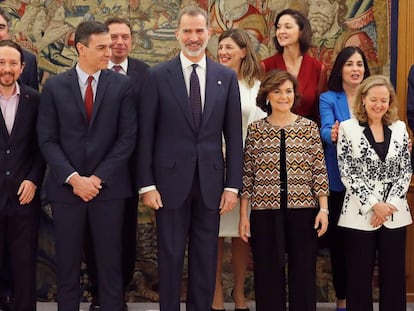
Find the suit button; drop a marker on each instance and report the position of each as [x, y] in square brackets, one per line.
[8, 151]
[8, 173]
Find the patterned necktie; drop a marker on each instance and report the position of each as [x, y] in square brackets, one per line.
[195, 97]
[116, 68]
[89, 98]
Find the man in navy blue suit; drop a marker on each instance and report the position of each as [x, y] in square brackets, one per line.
[87, 132]
[187, 106]
[21, 173]
[121, 62]
[29, 75]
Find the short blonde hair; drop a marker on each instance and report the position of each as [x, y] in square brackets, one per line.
[358, 106]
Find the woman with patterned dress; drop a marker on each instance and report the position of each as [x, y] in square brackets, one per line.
[292, 40]
[286, 185]
[235, 51]
[374, 163]
[349, 70]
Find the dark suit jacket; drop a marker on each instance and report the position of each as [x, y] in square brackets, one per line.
[29, 75]
[170, 149]
[20, 156]
[101, 148]
[410, 99]
[137, 71]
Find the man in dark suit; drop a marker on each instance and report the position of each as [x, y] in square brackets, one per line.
[29, 75]
[187, 105]
[121, 62]
[21, 173]
[87, 128]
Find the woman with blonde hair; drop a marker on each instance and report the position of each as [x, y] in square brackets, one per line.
[374, 163]
[235, 51]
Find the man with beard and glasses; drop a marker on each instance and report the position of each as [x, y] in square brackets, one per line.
[21, 173]
[187, 105]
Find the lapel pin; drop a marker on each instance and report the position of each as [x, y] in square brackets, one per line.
[219, 82]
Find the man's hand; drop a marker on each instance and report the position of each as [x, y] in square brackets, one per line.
[26, 192]
[152, 199]
[228, 201]
[84, 187]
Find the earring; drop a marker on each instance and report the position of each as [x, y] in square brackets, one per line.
[267, 102]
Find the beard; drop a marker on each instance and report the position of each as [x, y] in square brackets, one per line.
[7, 79]
[193, 53]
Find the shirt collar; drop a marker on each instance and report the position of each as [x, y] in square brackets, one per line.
[83, 76]
[185, 62]
[124, 64]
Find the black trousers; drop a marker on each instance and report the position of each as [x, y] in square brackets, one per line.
[105, 221]
[19, 227]
[196, 225]
[129, 246]
[362, 249]
[275, 233]
[335, 236]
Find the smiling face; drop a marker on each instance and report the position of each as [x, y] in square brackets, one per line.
[193, 35]
[121, 42]
[10, 66]
[353, 71]
[4, 29]
[282, 98]
[95, 55]
[230, 54]
[287, 31]
[376, 102]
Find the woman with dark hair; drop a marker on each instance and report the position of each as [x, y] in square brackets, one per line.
[349, 70]
[236, 52]
[286, 185]
[292, 41]
[374, 163]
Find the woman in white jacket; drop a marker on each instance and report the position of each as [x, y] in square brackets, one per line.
[375, 168]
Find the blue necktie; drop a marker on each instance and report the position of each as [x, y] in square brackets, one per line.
[195, 97]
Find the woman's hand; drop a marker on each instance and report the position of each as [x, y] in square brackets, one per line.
[244, 229]
[334, 131]
[321, 222]
[382, 212]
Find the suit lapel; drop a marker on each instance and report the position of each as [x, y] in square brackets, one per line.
[212, 82]
[3, 128]
[74, 84]
[177, 83]
[103, 83]
[20, 113]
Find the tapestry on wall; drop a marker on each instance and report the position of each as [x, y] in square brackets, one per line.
[46, 27]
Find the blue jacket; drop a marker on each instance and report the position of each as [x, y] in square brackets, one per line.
[333, 106]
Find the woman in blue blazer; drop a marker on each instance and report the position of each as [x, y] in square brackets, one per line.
[349, 70]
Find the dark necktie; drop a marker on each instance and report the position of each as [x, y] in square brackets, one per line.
[89, 98]
[116, 68]
[195, 97]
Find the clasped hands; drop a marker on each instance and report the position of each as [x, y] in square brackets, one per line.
[382, 212]
[85, 187]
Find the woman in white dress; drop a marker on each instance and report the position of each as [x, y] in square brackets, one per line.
[235, 51]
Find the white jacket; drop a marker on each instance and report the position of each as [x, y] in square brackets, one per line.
[369, 179]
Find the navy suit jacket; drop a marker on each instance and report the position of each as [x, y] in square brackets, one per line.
[170, 148]
[29, 75]
[100, 148]
[20, 155]
[410, 99]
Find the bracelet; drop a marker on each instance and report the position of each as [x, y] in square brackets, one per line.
[324, 210]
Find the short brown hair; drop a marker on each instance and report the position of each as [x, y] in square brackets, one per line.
[272, 80]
